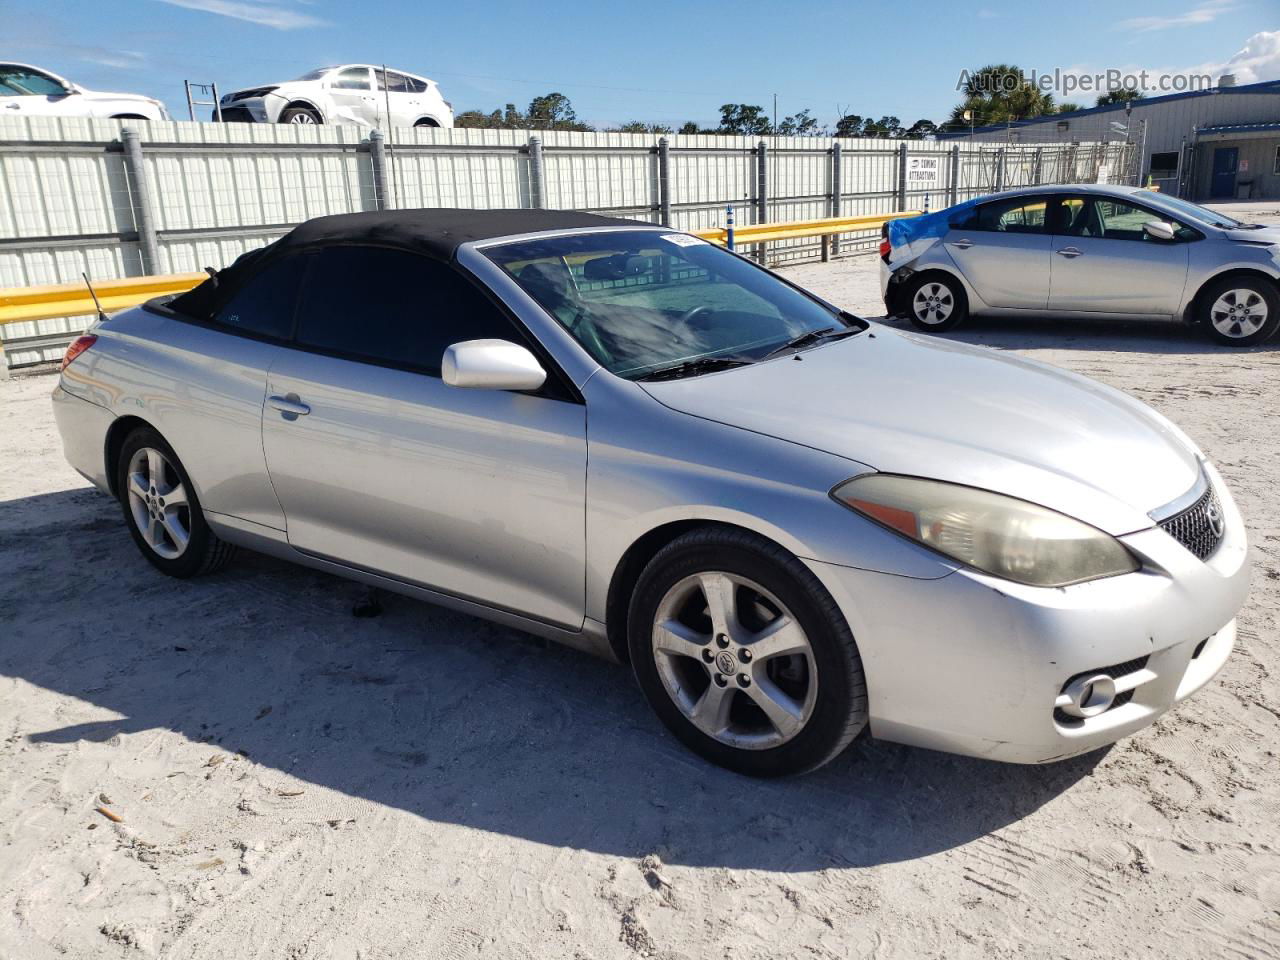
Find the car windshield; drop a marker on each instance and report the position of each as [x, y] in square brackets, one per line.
[1185, 208]
[316, 74]
[641, 301]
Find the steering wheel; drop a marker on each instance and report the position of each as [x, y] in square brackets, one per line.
[688, 316]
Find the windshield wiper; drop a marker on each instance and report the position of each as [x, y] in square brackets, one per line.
[812, 336]
[692, 368]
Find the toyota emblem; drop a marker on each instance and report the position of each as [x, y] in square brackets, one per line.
[1217, 523]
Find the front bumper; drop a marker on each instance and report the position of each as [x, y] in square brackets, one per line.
[251, 110]
[972, 664]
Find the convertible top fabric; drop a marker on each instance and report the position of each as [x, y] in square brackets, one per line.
[435, 232]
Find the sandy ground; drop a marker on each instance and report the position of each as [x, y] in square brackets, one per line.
[297, 783]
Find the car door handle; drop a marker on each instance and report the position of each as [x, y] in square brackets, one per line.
[290, 406]
[962, 244]
[1070, 252]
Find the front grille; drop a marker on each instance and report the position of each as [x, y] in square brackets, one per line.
[1194, 526]
[235, 115]
[1115, 672]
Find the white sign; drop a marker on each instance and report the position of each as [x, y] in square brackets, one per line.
[1104, 173]
[923, 171]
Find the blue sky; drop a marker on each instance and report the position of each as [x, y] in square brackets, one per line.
[660, 61]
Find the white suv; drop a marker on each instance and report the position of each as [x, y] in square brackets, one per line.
[352, 93]
[29, 91]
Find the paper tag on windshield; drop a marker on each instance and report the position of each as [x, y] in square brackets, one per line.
[682, 239]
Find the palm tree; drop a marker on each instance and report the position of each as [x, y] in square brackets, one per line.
[999, 93]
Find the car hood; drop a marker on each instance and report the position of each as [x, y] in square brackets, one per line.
[944, 410]
[106, 95]
[1265, 235]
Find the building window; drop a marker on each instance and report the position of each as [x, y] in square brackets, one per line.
[1164, 166]
[1275, 167]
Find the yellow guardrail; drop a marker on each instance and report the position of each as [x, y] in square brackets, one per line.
[799, 229]
[73, 299]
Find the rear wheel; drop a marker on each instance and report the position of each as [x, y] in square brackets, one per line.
[744, 655]
[426, 122]
[300, 115]
[1240, 311]
[162, 510]
[935, 302]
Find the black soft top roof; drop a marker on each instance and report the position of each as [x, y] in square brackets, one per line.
[435, 232]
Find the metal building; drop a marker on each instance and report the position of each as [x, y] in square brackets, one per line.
[1217, 144]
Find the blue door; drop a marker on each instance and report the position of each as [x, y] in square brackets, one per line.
[1224, 172]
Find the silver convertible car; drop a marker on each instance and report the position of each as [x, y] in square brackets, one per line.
[1104, 252]
[793, 524]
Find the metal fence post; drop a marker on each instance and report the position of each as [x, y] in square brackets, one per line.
[664, 181]
[141, 201]
[762, 192]
[836, 194]
[999, 169]
[4, 363]
[1037, 165]
[953, 192]
[535, 173]
[378, 161]
[902, 176]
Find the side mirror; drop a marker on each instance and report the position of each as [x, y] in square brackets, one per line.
[1158, 230]
[492, 365]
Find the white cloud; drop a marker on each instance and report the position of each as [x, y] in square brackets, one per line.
[265, 14]
[1257, 61]
[1206, 12]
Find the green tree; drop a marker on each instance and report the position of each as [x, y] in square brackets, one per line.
[639, 126]
[553, 111]
[802, 124]
[920, 129]
[998, 93]
[1119, 95]
[850, 125]
[744, 119]
[1068, 107]
[886, 127]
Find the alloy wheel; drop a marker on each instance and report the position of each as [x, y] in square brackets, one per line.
[932, 303]
[734, 660]
[158, 503]
[1238, 313]
[302, 118]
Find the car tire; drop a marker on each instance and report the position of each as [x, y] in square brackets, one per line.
[162, 511]
[1239, 311]
[805, 669]
[304, 116]
[426, 122]
[934, 302]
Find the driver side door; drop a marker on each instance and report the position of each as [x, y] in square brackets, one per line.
[381, 466]
[28, 92]
[1104, 262]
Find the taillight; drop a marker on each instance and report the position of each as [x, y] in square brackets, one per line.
[885, 246]
[78, 346]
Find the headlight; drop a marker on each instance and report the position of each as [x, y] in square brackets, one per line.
[1000, 535]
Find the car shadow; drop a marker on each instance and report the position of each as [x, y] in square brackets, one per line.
[1103, 336]
[442, 715]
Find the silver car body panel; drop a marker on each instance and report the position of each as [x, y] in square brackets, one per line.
[522, 508]
[1120, 278]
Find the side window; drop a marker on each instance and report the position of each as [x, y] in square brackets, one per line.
[392, 307]
[1017, 215]
[22, 82]
[1110, 219]
[392, 81]
[416, 85]
[352, 78]
[265, 304]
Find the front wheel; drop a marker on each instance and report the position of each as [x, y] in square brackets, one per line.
[303, 116]
[1240, 311]
[744, 655]
[935, 302]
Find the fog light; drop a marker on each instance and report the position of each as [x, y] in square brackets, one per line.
[1089, 696]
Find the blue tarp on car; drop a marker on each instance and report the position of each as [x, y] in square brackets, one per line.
[903, 232]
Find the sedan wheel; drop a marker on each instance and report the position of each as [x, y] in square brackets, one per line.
[1240, 311]
[734, 660]
[744, 655]
[158, 503]
[935, 302]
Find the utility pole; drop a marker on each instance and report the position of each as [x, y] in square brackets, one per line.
[775, 113]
